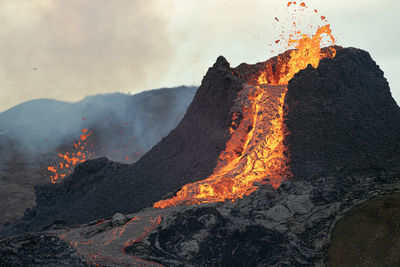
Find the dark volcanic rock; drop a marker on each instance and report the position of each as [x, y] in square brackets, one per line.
[40, 249]
[101, 188]
[204, 237]
[339, 113]
[290, 226]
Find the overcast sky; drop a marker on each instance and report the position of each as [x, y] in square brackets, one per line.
[69, 49]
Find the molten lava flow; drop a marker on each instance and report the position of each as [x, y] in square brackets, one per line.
[254, 154]
[69, 160]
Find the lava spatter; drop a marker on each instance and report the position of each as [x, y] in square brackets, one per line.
[82, 150]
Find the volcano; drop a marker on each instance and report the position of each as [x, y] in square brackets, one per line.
[333, 117]
[257, 172]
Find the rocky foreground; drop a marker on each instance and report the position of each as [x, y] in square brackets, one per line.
[290, 226]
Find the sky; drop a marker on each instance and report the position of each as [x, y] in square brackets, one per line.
[70, 49]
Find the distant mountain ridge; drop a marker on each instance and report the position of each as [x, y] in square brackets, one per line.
[147, 116]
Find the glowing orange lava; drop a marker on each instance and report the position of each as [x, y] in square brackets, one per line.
[69, 160]
[307, 51]
[255, 153]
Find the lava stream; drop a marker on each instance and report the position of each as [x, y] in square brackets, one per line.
[254, 154]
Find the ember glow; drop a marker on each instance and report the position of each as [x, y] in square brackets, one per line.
[67, 161]
[255, 153]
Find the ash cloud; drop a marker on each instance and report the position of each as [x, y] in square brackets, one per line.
[69, 49]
